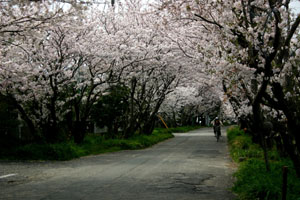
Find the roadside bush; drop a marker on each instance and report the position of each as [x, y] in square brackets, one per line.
[183, 129]
[254, 183]
[162, 131]
[252, 179]
[233, 132]
[241, 146]
[92, 144]
[60, 151]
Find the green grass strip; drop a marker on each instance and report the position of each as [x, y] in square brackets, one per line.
[252, 179]
[183, 129]
[93, 144]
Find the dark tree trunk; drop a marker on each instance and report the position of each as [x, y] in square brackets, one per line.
[28, 122]
[290, 148]
[79, 131]
[51, 133]
[174, 122]
[32, 129]
[149, 126]
[292, 127]
[258, 129]
[116, 129]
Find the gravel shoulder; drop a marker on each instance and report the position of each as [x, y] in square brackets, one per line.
[189, 166]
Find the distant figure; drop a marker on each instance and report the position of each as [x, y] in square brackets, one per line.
[217, 125]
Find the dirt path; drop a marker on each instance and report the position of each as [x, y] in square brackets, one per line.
[191, 166]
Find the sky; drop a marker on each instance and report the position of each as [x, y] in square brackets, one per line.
[295, 5]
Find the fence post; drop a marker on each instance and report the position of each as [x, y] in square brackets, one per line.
[284, 182]
[163, 121]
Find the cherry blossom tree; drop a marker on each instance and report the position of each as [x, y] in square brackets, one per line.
[57, 73]
[20, 19]
[185, 104]
[176, 102]
[40, 68]
[253, 47]
[156, 74]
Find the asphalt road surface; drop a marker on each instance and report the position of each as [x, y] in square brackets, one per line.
[191, 166]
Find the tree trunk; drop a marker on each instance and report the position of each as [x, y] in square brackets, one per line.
[110, 132]
[28, 121]
[292, 127]
[149, 126]
[129, 128]
[258, 128]
[51, 132]
[79, 131]
[265, 150]
[290, 148]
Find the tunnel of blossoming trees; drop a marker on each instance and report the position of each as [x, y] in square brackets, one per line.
[68, 66]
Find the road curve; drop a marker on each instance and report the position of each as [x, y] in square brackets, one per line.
[191, 166]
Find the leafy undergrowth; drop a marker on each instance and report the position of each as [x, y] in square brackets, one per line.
[96, 145]
[252, 179]
[93, 144]
[183, 129]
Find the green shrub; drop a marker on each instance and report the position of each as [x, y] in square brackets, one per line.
[183, 129]
[252, 179]
[233, 132]
[92, 144]
[92, 139]
[254, 183]
[241, 146]
[162, 131]
[61, 151]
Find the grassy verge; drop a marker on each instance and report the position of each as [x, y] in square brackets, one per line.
[183, 129]
[252, 179]
[93, 144]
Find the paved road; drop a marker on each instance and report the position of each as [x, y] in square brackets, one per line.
[191, 166]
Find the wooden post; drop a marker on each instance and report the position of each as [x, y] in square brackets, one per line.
[163, 121]
[284, 182]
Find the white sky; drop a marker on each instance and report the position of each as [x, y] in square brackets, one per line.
[295, 5]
